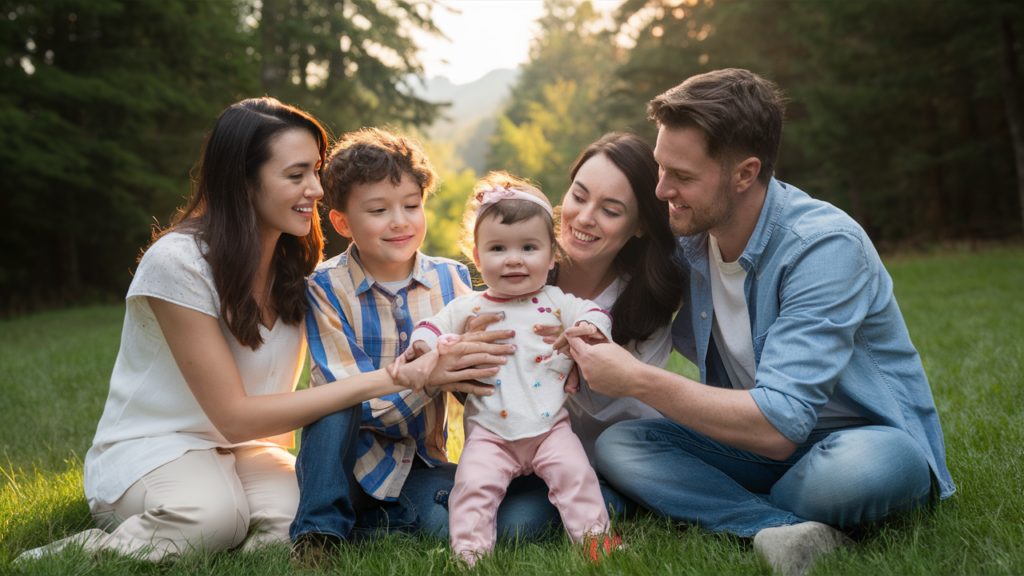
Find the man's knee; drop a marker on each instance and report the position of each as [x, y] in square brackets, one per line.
[623, 450]
[856, 477]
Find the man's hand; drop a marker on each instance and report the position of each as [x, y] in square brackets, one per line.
[607, 367]
[584, 330]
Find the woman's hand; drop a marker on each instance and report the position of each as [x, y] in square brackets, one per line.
[550, 332]
[471, 357]
[413, 368]
[480, 322]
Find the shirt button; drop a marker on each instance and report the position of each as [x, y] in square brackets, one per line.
[398, 300]
[703, 314]
[402, 336]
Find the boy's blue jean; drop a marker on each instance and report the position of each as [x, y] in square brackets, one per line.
[841, 477]
[328, 489]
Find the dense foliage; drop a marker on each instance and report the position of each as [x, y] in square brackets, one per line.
[105, 104]
[897, 110]
[901, 113]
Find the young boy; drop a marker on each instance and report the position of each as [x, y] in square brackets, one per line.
[381, 465]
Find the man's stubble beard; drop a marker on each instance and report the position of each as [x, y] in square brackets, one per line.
[704, 219]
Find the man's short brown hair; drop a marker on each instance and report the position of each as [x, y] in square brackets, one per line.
[740, 113]
[371, 155]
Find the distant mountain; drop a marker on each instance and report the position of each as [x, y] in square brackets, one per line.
[470, 119]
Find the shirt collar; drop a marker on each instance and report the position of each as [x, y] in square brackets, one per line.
[774, 201]
[695, 248]
[363, 281]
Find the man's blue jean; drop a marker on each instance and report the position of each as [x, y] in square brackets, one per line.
[331, 501]
[842, 477]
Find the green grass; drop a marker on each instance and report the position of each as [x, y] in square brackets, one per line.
[965, 313]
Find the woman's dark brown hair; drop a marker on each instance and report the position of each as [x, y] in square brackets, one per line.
[221, 214]
[655, 287]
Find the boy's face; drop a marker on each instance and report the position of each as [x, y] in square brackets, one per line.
[513, 259]
[387, 224]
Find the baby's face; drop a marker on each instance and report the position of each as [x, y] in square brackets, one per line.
[513, 259]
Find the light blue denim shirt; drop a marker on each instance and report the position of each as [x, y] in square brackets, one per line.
[824, 323]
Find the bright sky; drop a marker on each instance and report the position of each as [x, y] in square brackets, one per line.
[488, 34]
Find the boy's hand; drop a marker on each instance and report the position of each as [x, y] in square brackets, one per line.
[585, 331]
[415, 350]
[414, 374]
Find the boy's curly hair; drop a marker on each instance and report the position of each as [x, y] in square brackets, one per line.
[508, 211]
[371, 155]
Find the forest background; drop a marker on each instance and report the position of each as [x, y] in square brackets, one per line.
[905, 114]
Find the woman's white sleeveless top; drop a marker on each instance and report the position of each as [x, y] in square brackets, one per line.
[151, 416]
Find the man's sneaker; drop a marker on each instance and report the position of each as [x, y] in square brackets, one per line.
[790, 550]
[597, 545]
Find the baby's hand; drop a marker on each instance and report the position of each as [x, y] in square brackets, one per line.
[446, 341]
[572, 381]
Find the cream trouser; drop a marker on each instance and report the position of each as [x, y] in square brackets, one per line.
[206, 500]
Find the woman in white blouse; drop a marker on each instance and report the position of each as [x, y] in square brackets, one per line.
[190, 453]
[619, 250]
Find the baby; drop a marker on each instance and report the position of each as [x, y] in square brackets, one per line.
[522, 428]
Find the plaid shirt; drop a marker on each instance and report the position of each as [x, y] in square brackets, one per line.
[354, 325]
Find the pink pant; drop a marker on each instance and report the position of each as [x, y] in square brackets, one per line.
[489, 462]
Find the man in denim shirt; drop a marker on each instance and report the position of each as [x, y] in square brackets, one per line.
[813, 407]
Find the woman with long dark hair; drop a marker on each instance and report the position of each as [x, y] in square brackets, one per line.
[190, 453]
[619, 251]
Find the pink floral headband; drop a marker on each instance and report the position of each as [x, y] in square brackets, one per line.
[490, 197]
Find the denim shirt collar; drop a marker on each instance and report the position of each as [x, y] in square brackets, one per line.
[775, 200]
[695, 248]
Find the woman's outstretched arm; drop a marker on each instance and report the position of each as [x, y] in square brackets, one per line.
[205, 360]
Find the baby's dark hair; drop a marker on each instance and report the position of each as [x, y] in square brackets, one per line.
[507, 211]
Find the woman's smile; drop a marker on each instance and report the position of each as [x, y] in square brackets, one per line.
[583, 237]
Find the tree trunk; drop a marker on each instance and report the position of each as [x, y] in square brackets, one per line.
[1011, 93]
[71, 275]
[271, 73]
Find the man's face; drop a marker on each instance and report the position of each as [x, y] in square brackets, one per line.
[694, 185]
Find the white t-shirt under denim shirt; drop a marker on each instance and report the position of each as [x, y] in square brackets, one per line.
[151, 416]
[591, 413]
[730, 327]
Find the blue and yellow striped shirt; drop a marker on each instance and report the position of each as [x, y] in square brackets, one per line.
[354, 325]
